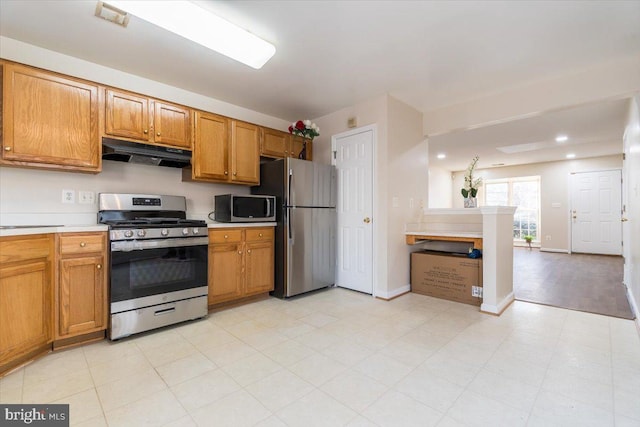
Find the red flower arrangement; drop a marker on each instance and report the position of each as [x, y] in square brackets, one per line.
[305, 129]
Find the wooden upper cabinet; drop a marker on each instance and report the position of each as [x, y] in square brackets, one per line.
[278, 144]
[274, 143]
[137, 117]
[127, 115]
[211, 147]
[245, 152]
[172, 125]
[49, 120]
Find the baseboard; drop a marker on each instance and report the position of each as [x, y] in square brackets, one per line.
[500, 307]
[560, 251]
[634, 307]
[393, 294]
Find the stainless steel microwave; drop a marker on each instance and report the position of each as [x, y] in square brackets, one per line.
[244, 208]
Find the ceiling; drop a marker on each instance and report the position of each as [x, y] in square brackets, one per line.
[333, 54]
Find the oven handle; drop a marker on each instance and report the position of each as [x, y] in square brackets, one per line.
[139, 245]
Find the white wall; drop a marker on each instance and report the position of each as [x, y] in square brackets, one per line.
[39, 192]
[400, 159]
[632, 227]
[440, 188]
[408, 182]
[554, 189]
[372, 112]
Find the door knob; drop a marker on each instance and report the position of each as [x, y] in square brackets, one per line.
[624, 220]
[367, 220]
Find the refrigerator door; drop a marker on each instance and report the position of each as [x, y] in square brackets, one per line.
[310, 184]
[311, 249]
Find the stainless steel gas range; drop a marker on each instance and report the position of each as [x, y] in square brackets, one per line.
[158, 262]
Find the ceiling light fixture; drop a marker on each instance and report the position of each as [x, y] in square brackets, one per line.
[571, 156]
[441, 156]
[562, 138]
[194, 23]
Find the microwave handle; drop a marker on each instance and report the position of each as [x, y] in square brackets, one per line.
[271, 201]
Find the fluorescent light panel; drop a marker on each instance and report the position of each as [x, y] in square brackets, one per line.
[192, 22]
[562, 138]
[441, 156]
[571, 156]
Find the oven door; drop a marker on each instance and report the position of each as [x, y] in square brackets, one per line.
[148, 272]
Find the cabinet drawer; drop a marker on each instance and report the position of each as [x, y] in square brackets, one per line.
[81, 243]
[225, 235]
[259, 234]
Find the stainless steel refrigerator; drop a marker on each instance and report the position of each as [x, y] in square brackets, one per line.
[305, 243]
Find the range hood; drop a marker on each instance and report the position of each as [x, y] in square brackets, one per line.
[134, 152]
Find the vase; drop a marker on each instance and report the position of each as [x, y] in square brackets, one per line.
[303, 152]
[470, 202]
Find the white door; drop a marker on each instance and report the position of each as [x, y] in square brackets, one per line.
[596, 203]
[353, 158]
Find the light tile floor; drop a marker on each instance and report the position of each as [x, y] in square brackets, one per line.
[340, 358]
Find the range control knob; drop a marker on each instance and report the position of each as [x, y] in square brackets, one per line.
[141, 233]
[185, 231]
[164, 232]
[196, 230]
[128, 233]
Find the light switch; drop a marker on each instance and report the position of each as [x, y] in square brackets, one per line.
[395, 202]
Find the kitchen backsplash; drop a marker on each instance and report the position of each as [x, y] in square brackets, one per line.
[35, 197]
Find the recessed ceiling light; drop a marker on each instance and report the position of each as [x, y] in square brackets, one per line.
[562, 138]
[194, 23]
[112, 14]
[441, 156]
[571, 156]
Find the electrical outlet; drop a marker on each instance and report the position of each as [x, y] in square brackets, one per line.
[547, 237]
[86, 197]
[68, 196]
[395, 202]
[476, 291]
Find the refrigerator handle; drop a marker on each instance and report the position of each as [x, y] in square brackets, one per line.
[289, 200]
[289, 220]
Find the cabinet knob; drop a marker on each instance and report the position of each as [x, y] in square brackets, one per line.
[226, 237]
[260, 235]
[248, 251]
[7, 148]
[226, 173]
[146, 131]
[83, 244]
[239, 252]
[158, 134]
[99, 266]
[235, 173]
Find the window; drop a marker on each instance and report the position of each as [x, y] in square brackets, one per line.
[521, 192]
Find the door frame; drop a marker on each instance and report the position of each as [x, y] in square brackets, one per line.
[569, 203]
[374, 188]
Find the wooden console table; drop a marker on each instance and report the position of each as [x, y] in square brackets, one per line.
[416, 237]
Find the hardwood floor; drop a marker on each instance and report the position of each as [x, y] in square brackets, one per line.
[591, 283]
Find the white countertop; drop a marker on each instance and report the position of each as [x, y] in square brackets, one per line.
[471, 234]
[240, 224]
[23, 230]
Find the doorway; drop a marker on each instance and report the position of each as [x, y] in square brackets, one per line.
[596, 212]
[353, 158]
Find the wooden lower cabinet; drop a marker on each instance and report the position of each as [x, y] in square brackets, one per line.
[81, 291]
[241, 263]
[26, 298]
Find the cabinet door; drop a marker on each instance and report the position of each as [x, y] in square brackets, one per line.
[245, 153]
[211, 147]
[49, 119]
[274, 143]
[172, 125]
[297, 145]
[225, 272]
[259, 268]
[127, 115]
[25, 309]
[82, 296]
